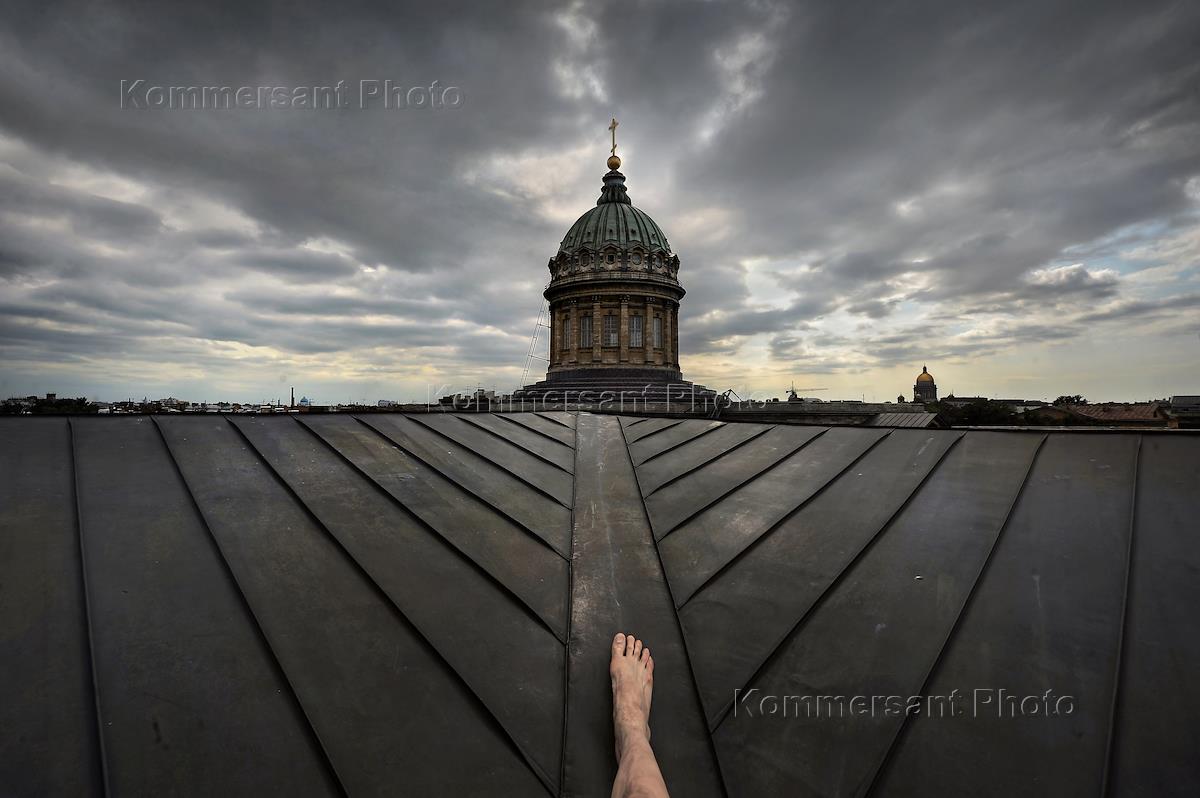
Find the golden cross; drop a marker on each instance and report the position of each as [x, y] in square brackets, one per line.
[613, 128]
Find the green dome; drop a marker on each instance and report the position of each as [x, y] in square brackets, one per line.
[615, 221]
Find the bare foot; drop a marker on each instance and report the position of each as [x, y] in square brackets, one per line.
[632, 672]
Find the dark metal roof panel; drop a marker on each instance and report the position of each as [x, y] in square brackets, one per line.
[650, 427]
[675, 503]
[558, 417]
[1153, 749]
[694, 454]
[545, 426]
[550, 450]
[537, 473]
[50, 743]
[669, 439]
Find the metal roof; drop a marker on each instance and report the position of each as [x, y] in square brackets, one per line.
[422, 604]
[903, 420]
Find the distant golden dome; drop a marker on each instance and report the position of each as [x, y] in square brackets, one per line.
[924, 376]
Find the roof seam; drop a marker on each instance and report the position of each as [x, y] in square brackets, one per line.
[675, 423]
[833, 583]
[872, 782]
[554, 421]
[487, 460]
[314, 735]
[1114, 709]
[510, 418]
[102, 750]
[684, 442]
[738, 486]
[469, 418]
[713, 459]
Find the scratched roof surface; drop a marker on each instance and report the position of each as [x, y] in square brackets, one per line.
[421, 605]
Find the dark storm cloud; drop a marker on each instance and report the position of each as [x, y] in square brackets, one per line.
[873, 308]
[297, 266]
[749, 322]
[942, 156]
[85, 215]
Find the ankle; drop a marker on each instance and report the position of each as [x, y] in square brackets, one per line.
[633, 741]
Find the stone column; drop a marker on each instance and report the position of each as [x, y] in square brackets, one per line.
[574, 342]
[623, 330]
[555, 332]
[668, 337]
[597, 331]
[675, 337]
[648, 332]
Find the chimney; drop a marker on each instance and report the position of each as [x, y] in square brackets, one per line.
[293, 396]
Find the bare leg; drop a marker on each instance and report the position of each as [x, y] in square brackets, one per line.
[632, 672]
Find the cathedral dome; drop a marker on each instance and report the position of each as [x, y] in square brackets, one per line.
[613, 300]
[614, 221]
[924, 376]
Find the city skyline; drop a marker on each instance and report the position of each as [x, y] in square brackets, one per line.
[1011, 198]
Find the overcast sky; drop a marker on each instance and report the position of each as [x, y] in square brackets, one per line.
[1011, 196]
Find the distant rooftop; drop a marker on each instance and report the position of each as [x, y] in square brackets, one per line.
[1120, 412]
